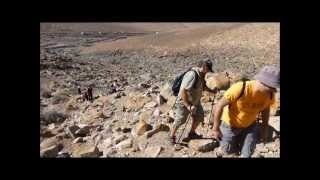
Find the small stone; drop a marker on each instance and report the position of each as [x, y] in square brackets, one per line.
[51, 126]
[177, 147]
[161, 100]
[126, 129]
[62, 154]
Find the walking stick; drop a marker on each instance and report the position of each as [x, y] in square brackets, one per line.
[212, 103]
[184, 128]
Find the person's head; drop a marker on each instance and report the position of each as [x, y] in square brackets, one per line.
[205, 65]
[269, 77]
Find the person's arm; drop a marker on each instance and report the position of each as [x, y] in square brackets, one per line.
[187, 104]
[217, 117]
[265, 120]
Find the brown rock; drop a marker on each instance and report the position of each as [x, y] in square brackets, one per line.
[85, 150]
[203, 145]
[161, 100]
[140, 128]
[150, 105]
[158, 128]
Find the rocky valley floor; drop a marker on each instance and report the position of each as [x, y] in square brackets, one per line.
[130, 114]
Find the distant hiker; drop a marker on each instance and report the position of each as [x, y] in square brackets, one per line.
[90, 95]
[239, 109]
[85, 96]
[114, 86]
[188, 98]
[79, 90]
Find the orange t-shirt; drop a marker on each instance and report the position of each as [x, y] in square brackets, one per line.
[243, 112]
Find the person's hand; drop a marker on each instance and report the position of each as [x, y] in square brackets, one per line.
[217, 133]
[215, 90]
[193, 109]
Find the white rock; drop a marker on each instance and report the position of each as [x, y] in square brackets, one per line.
[153, 151]
[124, 144]
[274, 121]
[156, 113]
[77, 140]
[150, 105]
[51, 126]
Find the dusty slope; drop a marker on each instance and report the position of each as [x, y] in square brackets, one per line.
[176, 39]
[117, 27]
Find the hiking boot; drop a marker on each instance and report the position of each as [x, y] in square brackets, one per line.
[194, 135]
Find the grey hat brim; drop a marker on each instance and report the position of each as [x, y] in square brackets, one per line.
[266, 81]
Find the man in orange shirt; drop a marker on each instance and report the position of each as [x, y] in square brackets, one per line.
[239, 109]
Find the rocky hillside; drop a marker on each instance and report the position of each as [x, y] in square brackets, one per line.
[131, 113]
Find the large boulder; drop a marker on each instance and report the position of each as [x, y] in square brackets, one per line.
[50, 147]
[165, 91]
[217, 80]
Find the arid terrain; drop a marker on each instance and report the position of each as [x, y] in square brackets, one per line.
[131, 67]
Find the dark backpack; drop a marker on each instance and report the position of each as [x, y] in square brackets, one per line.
[178, 80]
